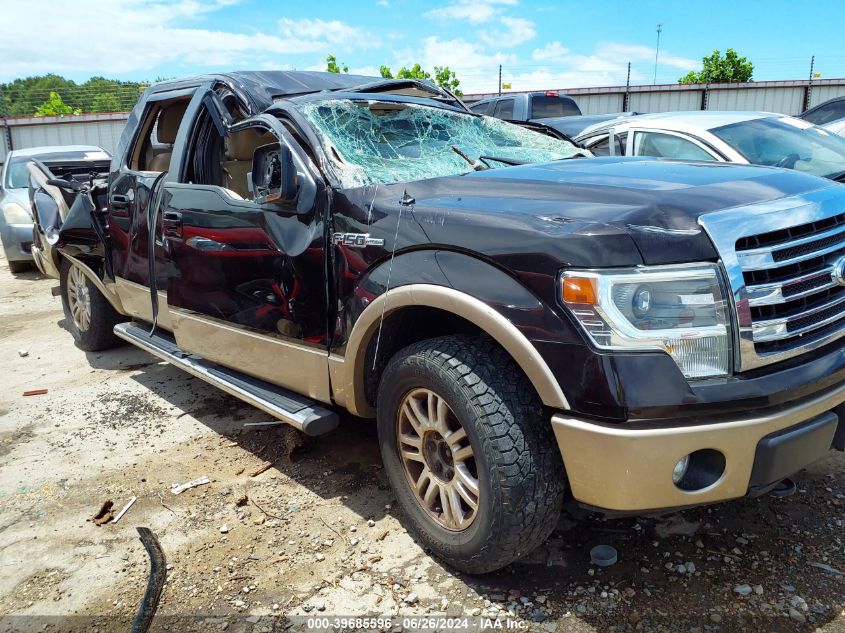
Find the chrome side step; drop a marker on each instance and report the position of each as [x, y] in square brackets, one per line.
[291, 408]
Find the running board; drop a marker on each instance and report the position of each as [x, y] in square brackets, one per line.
[291, 408]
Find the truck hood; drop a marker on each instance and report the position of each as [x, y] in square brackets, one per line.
[614, 211]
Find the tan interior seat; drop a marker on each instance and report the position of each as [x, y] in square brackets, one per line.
[240, 147]
[167, 127]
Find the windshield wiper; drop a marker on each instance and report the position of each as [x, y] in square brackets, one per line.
[838, 176]
[500, 159]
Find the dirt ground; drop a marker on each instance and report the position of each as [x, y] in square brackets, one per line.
[316, 537]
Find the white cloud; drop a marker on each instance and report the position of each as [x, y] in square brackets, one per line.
[333, 32]
[125, 36]
[475, 11]
[515, 31]
[551, 51]
[636, 53]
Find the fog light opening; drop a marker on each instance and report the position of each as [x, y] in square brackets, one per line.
[699, 470]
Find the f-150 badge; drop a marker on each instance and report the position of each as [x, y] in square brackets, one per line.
[357, 240]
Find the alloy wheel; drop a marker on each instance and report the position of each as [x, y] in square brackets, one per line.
[438, 459]
[79, 298]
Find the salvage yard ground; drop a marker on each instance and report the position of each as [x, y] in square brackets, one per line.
[317, 534]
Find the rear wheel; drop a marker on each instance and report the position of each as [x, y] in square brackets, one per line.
[89, 317]
[468, 451]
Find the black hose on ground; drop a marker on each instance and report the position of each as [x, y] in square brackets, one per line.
[155, 583]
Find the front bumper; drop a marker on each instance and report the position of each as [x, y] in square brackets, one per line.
[17, 242]
[618, 468]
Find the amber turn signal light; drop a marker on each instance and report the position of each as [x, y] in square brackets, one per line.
[579, 290]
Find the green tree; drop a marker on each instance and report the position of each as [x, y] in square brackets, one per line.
[54, 106]
[415, 72]
[446, 78]
[97, 94]
[332, 65]
[443, 76]
[717, 69]
[106, 102]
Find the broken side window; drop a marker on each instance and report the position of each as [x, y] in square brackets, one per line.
[370, 142]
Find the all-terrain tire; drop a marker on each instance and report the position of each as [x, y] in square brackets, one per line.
[99, 333]
[521, 477]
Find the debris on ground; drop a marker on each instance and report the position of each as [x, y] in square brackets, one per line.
[827, 567]
[23, 353]
[35, 392]
[104, 515]
[125, 508]
[603, 555]
[263, 468]
[180, 488]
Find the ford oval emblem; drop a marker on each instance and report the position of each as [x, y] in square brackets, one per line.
[838, 272]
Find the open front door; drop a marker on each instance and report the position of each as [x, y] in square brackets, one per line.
[243, 234]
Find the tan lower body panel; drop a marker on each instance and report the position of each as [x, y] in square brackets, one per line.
[135, 299]
[296, 367]
[623, 469]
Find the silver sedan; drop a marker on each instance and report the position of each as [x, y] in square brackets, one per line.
[16, 221]
[759, 138]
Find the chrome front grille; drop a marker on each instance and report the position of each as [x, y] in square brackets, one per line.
[782, 260]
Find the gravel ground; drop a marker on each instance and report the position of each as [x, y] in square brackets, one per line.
[317, 535]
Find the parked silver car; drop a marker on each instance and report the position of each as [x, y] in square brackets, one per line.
[16, 220]
[759, 138]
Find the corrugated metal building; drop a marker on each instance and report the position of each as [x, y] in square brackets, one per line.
[102, 129]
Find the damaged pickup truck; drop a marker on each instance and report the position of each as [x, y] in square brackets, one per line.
[523, 323]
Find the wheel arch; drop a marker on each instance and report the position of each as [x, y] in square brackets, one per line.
[349, 372]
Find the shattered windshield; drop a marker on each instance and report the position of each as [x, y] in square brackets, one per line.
[380, 142]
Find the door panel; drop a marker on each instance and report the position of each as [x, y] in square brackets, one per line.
[242, 263]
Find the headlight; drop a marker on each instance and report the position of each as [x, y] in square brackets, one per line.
[678, 309]
[16, 214]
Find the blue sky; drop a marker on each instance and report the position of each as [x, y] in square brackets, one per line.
[540, 43]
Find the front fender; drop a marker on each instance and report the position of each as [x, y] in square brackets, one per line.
[465, 286]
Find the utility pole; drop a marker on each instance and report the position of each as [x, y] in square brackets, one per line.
[626, 101]
[808, 93]
[500, 79]
[657, 51]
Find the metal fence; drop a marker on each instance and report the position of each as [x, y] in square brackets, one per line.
[786, 97]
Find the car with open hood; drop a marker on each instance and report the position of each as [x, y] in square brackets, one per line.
[17, 220]
[525, 323]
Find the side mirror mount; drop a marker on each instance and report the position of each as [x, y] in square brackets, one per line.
[274, 176]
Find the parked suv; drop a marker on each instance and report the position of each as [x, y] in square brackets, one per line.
[522, 323]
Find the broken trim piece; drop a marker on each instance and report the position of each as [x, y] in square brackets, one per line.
[155, 583]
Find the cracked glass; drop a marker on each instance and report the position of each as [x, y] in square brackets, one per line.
[375, 142]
